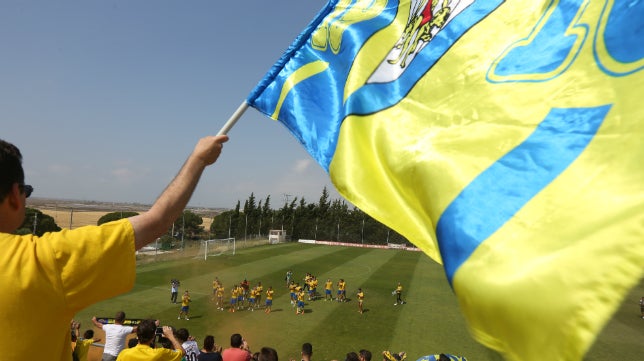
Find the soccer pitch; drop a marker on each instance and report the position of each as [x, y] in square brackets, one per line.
[429, 323]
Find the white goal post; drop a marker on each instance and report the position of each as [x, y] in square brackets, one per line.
[217, 247]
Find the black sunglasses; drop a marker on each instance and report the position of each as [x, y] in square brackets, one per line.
[26, 189]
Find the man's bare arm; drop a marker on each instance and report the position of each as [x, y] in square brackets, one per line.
[150, 225]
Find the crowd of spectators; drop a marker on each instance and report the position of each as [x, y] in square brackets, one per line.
[155, 342]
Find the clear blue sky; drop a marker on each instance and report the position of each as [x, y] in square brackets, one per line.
[107, 98]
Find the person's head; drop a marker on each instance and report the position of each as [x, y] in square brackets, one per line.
[145, 331]
[209, 343]
[11, 165]
[13, 190]
[88, 334]
[364, 355]
[307, 350]
[236, 340]
[267, 354]
[132, 342]
[182, 335]
[443, 357]
[119, 317]
[352, 356]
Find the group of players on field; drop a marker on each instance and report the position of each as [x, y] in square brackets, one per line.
[298, 293]
[243, 296]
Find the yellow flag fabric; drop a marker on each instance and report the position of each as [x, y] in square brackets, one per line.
[503, 138]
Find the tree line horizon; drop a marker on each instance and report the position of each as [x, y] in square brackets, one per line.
[326, 220]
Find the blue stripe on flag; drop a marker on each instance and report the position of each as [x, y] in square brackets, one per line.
[493, 198]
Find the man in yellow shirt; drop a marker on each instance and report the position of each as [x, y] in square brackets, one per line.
[342, 292]
[144, 350]
[328, 290]
[398, 291]
[220, 297]
[360, 296]
[185, 305]
[300, 301]
[73, 269]
[269, 299]
[82, 344]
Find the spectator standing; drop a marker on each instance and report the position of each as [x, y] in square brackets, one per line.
[307, 351]
[210, 352]
[144, 350]
[267, 354]
[115, 335]
[238, 350]
[351, 356]
[99, 262]
[83, 343]
[188, 343]
[364, 355]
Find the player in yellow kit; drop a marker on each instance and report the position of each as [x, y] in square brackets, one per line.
[233, 298]
[269, 299]
[185, 305]
[300, 301]
[328, 290]
[220, 297]
[360, 296]
[258, 296]
[342, 291]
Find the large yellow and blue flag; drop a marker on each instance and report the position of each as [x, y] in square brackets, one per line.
[503, 138]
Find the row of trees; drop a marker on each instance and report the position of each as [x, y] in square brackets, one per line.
[329, 220]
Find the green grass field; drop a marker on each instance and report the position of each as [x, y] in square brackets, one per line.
[429, 323]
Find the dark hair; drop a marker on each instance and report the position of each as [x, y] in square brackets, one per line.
[307, 349]
[182, 335]
[366, 355]
[120, 317]
[267, 354]
[146, 330]
[209, 343]
[11, 165]
[88, 334]
[352, 356]
[132, 342]
[236, 340]
[443, 357]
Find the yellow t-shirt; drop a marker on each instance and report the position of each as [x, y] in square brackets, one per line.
[143, 352]
[185, 301]
[82, 348]
[269, 294]
[47, 280]
[328, 285]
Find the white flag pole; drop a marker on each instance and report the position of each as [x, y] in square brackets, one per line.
[233, 118]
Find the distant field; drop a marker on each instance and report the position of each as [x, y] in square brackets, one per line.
[429, 323]
[68, 217]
